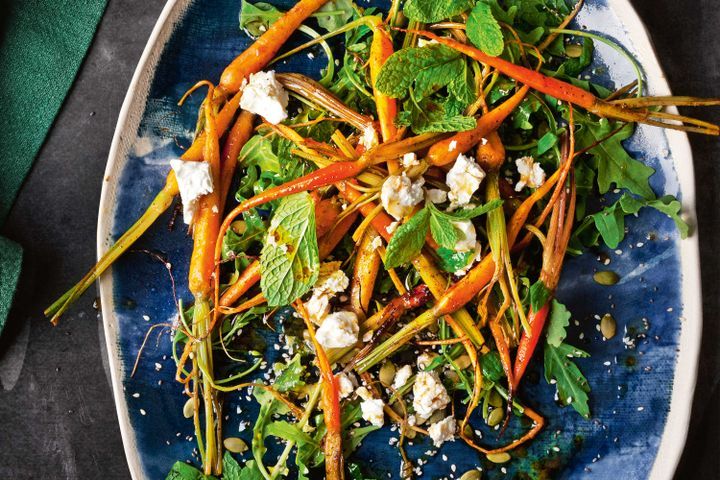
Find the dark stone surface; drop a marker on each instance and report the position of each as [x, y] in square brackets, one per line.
[57, 415]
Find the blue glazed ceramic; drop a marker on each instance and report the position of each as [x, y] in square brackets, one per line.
[642, 379]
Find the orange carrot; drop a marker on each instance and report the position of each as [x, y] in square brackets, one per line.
[237, 138]
[257, 55]
[380, 49]
[447, 150]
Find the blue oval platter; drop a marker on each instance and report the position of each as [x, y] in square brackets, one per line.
[642, 379]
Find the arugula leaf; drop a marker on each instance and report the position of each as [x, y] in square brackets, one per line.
[572, 386]
[233, 471]
[356, 472]
[546, 142]
[408, 240]
[256, 18]
[428, 11]
[290, 264]
[183, 471]
[291, 376]
[539, 295]
[610, 221]
[613, 163]
[468, 214]
[484, 31]
[333, 22]
[288, 431]
[429, 68]
[559, 320]
[573, 67]
[492, 366]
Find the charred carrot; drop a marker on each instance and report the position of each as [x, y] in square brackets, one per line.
[577, 96]
[380, 49]
[447, 150]
[257, 55]
[367, 265]
[237, 138]
[334, 461]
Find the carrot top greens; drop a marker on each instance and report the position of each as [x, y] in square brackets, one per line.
[401, 223]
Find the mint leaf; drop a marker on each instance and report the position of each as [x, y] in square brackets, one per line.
[559, 321]
[290, 262]
[539, 295]
[429, 116]
[452, 261]
[572, 386]
[492, 366]
[614, 165]
[233, 471]
[484, 31]
[291, 376]
[408, 240]
[442, 229]
[428, 11]
[429, 68]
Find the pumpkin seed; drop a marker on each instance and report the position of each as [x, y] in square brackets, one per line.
[608, 326]
[235, 445]
[189, 408]
[463, 362]
[573, 50]
[436, 417]
[495, 417]
[387, 373]
[469, 431]
[471, 475]
[606, 277]
[499, 457]
[495, 399]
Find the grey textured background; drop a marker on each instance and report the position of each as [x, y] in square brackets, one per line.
[57, 417]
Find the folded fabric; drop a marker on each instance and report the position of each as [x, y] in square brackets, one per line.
[42, 45]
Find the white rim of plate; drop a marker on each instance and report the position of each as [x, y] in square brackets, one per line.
[678, 418]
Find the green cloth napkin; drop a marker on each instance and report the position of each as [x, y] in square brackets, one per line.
[42, 44]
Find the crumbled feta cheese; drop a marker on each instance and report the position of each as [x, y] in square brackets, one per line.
[376, 242]
[265, 96]
[478, 256]
[424, 359]
[372, 411]
[339, 330]
[429, 394]
[531, 173]
[464, 179]
[423, 42]
[194, 180]
[367, 336]
[467, 237]
[402, 375]
[364, 393]
[390, 229]
[400, 194]
[369, 138]
[318, 308]
[435, 195]
[452, 146]
[335, 282]
[409, 160]
[345, 385]
[443, 431]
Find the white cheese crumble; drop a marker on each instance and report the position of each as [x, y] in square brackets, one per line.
[531, 173]
[335, 282]
[318, 308]
[424, 359]
[400, 194]
[372, 411]
[376, 242]
[464, 179]
[402, 375]
[338, 330]
[265, 96]
[429, 394]
[390, 229]
[443, 431]
[435, 195]
[423, 42]
[369, 138]
[345, 385]
[331, 281]
[409, 160]
[468, 236]
[194, 180]
[452, 146]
